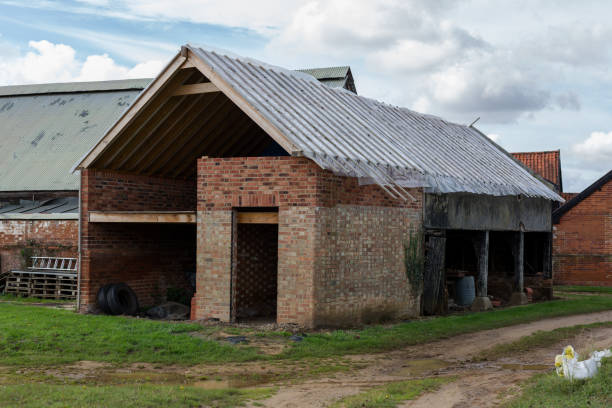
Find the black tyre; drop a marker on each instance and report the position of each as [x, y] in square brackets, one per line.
[101, 298]
[121, 299]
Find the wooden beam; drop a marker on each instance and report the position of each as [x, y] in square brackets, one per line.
[242, 103]
[483, 263]
[144, 217]
[257, 218]
[194, 89]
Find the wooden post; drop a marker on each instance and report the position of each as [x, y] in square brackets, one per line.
[519, 261]
[548, 257]
[434, 300]
[483, 265]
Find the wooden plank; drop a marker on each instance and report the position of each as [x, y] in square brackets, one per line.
[257, 218]
[179, 217]
[194, 89]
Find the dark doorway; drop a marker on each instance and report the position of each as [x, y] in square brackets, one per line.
[256, 269]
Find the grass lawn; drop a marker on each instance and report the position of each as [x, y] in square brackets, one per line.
[390, 395]
[538, 339]
[12, 298]
[549, 390]
[31, 335]
[127, 396]
[588, 289]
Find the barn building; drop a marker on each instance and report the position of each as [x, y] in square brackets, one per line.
[582, 250]
[44, 129]
[296, 202]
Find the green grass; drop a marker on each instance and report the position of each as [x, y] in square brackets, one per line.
[381, 338]
[20, 299]
[31, 335]
[587, 289]
[127, 396]
[538, 339]
[550, 390]
[390, 395]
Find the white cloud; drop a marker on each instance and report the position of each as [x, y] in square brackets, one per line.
[494, 137]
[48, 62]
[595, 152]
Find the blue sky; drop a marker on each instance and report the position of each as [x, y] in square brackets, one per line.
[535, 72]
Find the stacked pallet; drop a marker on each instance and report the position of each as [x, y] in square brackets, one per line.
[47, 278]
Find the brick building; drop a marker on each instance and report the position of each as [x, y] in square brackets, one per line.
[582, 250]
[295, 202]
[44, 130]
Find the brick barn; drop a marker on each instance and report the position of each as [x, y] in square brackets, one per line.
[44, 129]
[582, 250]
[295, 202]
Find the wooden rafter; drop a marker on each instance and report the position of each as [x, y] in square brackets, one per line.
[194, 89]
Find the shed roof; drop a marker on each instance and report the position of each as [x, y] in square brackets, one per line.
[578, 198]
[345, 133]
[55, 208]
[334, 77]
[546, 163]
[45, 128]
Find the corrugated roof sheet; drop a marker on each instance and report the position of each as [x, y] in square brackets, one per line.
[75, 87]
[334, 77]
[377, 142]
[62, 208]
[547, 164]
[45, 128]
[327, 73]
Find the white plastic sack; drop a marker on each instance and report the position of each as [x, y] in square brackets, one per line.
[568, 366]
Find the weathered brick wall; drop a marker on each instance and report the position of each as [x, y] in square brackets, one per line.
[340, 245]
[21, 239]
[582, 242]
[148, 257]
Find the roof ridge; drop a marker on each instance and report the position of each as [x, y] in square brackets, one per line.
[74, 87]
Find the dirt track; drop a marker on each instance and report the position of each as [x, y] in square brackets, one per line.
[478, 385]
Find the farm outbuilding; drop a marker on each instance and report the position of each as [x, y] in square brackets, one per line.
[296, 202]
[44, 129]
[583, 236]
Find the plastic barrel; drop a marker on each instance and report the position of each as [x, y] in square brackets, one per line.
[465, 291]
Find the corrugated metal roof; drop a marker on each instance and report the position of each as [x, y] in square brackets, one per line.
[327, 73]
[75, 87]
[56, 208]
[380, 143]
[45, 128]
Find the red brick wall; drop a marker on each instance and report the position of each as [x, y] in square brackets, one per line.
[20, 239]
[340, 245]
[582, 242]
[148, 257]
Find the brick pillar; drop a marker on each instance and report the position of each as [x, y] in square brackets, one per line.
[213, 265]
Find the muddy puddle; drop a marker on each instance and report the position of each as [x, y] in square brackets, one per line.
[416, 368]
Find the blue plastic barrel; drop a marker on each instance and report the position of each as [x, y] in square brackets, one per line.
[465, 291]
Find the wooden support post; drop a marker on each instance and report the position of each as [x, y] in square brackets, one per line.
[483, 265]
[434, 298]
[547, 261]
[519, 261]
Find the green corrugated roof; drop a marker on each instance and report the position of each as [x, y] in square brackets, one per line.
[45, 128]
[327, 73]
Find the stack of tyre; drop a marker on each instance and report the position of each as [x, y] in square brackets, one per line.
[117, 299]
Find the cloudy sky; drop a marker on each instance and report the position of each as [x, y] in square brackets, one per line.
[536, 72]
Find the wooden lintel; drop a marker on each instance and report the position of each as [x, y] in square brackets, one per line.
[179, 217]
[257, 218]
[193, 89]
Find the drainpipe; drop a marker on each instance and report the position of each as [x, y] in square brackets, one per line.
[78, 303]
